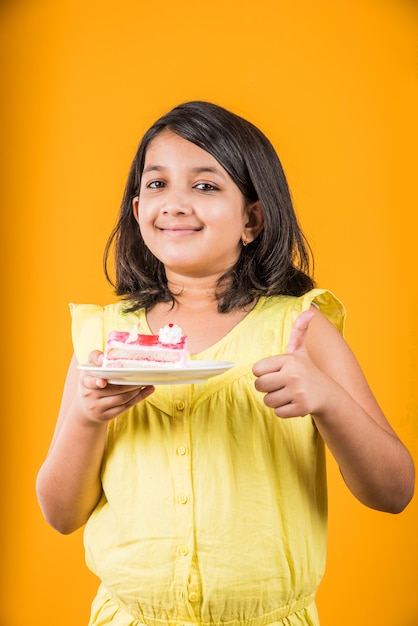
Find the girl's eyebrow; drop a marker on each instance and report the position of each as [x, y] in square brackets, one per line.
[153, 168]
[208, 168]
[200, 169]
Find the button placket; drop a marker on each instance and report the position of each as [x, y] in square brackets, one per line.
[182, 492]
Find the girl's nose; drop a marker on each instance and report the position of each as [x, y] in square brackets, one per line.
[176, 203]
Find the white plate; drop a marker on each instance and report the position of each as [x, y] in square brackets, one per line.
[194, 372]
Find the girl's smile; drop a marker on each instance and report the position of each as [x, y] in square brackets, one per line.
[178, 230]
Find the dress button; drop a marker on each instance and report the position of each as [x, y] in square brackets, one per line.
[183, 550]
[182, 498]
[181, 450]
[193, 596]
[180, 405]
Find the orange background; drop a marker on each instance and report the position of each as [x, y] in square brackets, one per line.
[334, 84]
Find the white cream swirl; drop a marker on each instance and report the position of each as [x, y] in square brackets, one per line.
[170, 333]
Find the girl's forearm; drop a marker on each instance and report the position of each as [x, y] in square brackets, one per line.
[375, 464]
[68, 483]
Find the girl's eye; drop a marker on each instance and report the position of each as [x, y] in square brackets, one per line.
[206, 187]
[155, 184]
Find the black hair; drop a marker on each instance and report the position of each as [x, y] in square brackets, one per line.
[277, 262]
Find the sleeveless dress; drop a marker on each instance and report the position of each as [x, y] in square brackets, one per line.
[214, 511]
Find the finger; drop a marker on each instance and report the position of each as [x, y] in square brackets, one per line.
[267, 365]
[114, 405]
[269, 381]
[92, 382]
[96, 357]
[103, 405]
[298, 334]
[100, 383]
[130, 396]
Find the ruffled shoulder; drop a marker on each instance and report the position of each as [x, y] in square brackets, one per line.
[327, 303]
[91, 324]
[275, 316]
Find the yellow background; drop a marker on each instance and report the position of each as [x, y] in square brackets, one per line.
[334, 84]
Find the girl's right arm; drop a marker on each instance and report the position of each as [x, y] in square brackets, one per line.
[68, 483]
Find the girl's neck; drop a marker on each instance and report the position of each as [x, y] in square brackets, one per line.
[194, 291]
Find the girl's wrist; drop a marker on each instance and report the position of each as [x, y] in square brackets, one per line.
[86, 419]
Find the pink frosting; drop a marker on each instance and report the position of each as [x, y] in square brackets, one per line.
[118, 337]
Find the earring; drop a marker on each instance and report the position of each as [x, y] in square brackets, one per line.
[244, 241]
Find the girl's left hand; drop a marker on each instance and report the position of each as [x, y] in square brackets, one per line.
[319, 375]
[293, 385]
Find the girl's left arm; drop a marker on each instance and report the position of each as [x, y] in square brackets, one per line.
[320, 375]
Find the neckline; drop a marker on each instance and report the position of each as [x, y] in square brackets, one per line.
[198, 355]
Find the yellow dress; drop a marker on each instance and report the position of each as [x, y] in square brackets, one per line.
[214, 511]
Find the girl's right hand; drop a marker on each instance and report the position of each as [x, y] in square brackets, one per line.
[101, 401]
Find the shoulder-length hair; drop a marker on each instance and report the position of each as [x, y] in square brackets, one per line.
[277, 262]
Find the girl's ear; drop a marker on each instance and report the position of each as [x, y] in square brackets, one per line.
[255, 221]
[135, 207]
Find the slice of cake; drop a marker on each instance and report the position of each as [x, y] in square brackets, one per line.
[167, 349]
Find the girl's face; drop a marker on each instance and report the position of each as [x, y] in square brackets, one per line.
[191, 214]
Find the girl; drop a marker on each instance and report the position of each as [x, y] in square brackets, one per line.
[206, 504]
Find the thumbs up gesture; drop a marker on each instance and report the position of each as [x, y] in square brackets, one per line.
[291, 381]
[297, 336]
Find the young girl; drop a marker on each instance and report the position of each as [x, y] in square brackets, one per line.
[206, 504]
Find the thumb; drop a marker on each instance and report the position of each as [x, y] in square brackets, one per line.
[297, 336]
[96, 357]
